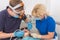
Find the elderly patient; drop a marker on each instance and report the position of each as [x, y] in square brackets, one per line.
[27, 34]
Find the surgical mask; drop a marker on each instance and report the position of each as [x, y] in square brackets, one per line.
[16, 16]
[37, 18]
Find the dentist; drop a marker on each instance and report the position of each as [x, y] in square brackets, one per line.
[10, 20]
[44, 23]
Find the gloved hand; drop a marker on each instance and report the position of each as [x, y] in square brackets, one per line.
[29, 25]
[19, 33]
[34, 35]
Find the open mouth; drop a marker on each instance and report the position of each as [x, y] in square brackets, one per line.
[25, 31]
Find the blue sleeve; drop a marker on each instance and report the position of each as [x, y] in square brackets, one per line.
[51, 25]
[1, 21]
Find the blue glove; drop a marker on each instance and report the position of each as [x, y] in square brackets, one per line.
[29, 25]
[19, 33]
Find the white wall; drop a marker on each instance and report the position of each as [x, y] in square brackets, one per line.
[3, 4]
[55, 9]
[52, 5]
[29, 4]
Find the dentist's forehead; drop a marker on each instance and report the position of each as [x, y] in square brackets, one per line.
[19, 5]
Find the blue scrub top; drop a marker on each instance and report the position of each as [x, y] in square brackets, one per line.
[46, 25]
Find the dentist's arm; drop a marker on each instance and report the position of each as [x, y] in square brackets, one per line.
[48, 36]
[14, 34]
[5, 35]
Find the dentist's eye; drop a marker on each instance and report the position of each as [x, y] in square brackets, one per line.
[20, 8]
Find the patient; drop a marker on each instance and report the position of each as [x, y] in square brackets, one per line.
[27, 35]
[27, 32]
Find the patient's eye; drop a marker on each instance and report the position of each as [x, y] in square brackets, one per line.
[24, 28]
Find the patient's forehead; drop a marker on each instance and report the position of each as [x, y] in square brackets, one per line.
[23, 27]
[23, 24]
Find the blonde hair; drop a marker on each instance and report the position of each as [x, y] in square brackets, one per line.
[39, 9]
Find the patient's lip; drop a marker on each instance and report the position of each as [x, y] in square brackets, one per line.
[25, 30]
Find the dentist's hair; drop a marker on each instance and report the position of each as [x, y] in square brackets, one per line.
[39, 9]
[14, 2]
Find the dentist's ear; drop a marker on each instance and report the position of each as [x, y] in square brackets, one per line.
[11, 12]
